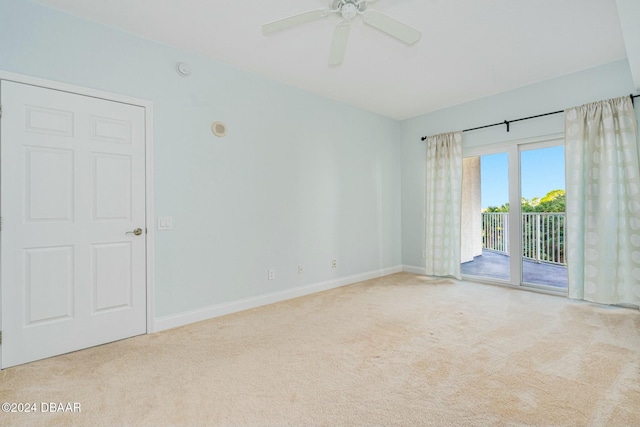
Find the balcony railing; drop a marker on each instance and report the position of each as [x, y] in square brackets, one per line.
[543, 235]
[495, 229]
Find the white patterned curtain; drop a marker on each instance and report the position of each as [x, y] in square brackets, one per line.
[443, 204]
[603, 202]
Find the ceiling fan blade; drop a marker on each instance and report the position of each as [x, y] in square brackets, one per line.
[291, 21]
[391, 26]
[339, 43]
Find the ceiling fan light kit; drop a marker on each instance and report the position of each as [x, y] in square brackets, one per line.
[348, 10]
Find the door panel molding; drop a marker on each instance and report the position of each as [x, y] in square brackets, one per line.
[56, 124]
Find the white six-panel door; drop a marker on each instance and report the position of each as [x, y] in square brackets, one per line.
[72, 187]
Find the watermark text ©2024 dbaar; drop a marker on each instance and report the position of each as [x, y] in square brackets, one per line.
[41, 407]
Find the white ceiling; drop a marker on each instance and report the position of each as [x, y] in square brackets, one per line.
[469, 48]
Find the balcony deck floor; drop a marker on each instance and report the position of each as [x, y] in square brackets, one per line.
[496, 266]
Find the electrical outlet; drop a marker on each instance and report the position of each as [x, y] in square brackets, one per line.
[300, 269]
[271, 274]
[334, 263]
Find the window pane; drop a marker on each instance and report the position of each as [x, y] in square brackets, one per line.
[543, 217]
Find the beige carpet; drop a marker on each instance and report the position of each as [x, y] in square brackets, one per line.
[403, 350]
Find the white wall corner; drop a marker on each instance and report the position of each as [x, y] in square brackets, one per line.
[471, 222]
[629, 13]
[205, 313]
[414, 269]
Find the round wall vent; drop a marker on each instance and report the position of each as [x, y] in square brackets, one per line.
[219, 129]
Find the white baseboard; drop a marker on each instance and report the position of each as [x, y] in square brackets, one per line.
[181, 319]
[414, 269]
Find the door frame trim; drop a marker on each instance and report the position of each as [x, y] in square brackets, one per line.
[149, 191]
[498, 147]
[514, 148]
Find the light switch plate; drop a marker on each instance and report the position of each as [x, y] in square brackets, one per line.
[165, 223]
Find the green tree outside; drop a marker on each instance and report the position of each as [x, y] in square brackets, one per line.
[553, 201]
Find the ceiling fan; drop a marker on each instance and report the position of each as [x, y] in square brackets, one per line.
[348, 10]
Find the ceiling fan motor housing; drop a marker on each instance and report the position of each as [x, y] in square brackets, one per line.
[349, 8]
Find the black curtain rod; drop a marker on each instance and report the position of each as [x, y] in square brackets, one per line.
[508, 122]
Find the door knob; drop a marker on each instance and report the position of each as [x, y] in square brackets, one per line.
[137, 232]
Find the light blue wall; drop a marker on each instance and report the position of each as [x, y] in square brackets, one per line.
[608, 81]
[299, 179]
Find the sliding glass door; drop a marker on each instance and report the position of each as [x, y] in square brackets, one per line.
[513, 215]
[543, 216]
